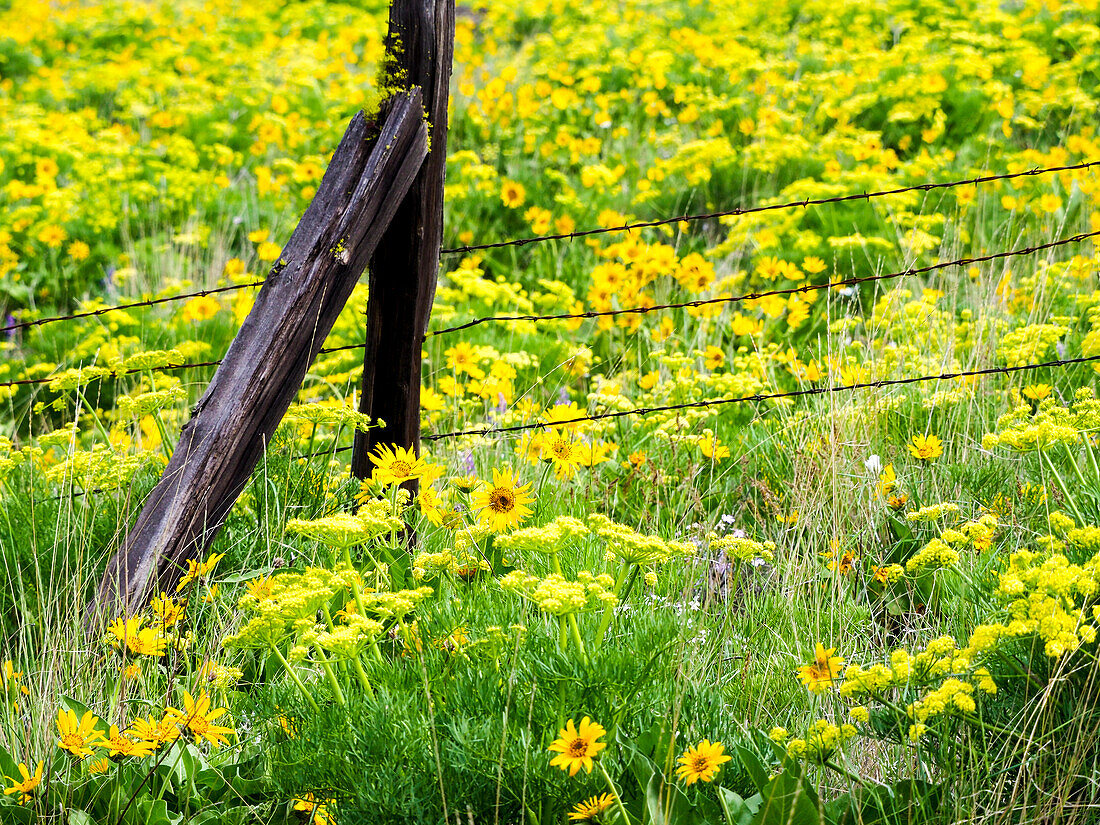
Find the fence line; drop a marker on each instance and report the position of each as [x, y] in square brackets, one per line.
[752, 296]
[164, 367]
[714, 402]
[1030, 250]
[923, 187]
[945, 376]
[104, 310]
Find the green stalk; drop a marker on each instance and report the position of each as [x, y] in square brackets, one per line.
[609, 611]
[294, 678]
[106, 436]
[563, 634]
[614, 792]
[330, 674]
[361, 674]
[1062, 486]
[575, 628]
[843, 771]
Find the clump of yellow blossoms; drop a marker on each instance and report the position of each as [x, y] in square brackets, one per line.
[558, 596]
[821, 741]
[1024, 430]
[742, 548]
[552, 537]
[631, 547]
[376, 518]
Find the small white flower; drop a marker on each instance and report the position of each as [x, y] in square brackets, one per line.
[873, 464]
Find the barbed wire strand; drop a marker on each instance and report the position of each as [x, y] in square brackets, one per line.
[752, 296]
[542, 425]
[161, 368]
[640, 310]
[945, 376]
[749, 210]
[923, 187]
[202, 293]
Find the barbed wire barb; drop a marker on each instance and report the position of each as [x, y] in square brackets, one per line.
[91, 313]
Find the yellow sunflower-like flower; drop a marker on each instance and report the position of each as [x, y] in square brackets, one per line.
[121, 744]
[198, 570]
[926, 447]
[702, 761]
[199, 719]
[395, 466]
[502, 504]
[316, 810]
[591, 807]
[577, 746]
[822, 671]
[78, 738]
[27, 786]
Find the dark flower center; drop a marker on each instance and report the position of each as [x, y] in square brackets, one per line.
[501, 500]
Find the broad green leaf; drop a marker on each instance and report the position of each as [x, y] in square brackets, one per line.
[757, 772]
[788, 800]
[738, 811]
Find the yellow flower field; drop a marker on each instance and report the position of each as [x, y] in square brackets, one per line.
[807, 473]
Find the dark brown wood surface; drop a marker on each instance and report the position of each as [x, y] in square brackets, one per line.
[369, 176]
[404, 269]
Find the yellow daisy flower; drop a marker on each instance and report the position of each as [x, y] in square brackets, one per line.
[199, 719]
[577, 746]
[27, 786]
[502, 504]
[78, 738]
[396, 465]
[821, 672]
[591, 807]
[926, 448]
[702, 761]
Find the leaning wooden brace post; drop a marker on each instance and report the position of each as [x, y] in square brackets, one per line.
[403, 271]
[370, 174]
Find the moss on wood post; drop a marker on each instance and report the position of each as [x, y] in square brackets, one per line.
[405, 266]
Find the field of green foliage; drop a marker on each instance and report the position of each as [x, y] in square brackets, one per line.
[870, 606]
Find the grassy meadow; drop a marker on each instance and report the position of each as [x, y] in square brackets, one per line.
[864, 607]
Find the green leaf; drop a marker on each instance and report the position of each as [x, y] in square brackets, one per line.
[789, 800]
[757, 772]
[738, 811]
[79, 817]
[149, 811]
[17, 815]
[8, 765]
[908, 802]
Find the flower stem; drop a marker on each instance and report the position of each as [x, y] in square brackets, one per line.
[362, 675]
[330, 674]
[294, 678]
[614, 792]
[575, 628]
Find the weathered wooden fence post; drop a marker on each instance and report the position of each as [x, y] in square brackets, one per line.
[370, 174]
[403, 271]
